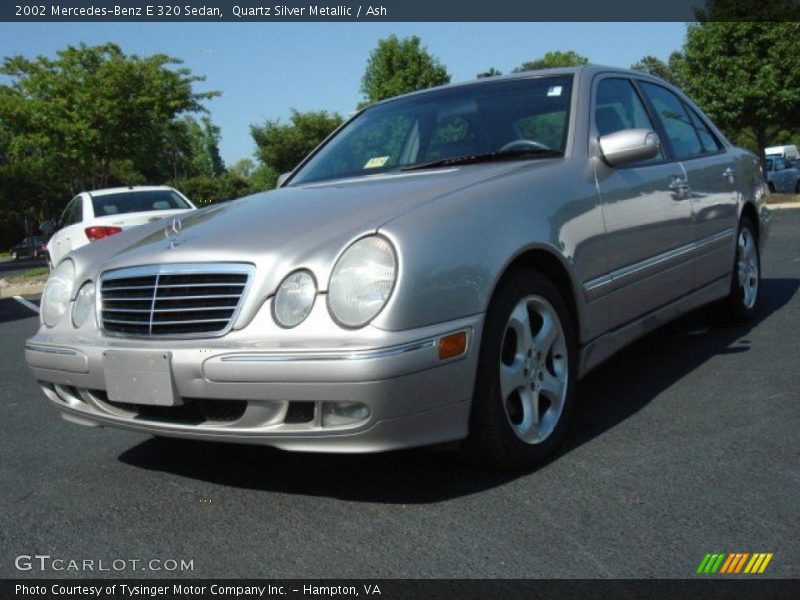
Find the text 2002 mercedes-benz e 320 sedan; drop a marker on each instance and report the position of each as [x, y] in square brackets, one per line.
[445, 266]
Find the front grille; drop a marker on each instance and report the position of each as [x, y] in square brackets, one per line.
[172, 300]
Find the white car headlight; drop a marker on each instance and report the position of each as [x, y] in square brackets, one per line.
[362, 281]
[294, 299]
[57, 292]
[84, 304]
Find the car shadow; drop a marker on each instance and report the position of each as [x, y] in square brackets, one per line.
[606, 397]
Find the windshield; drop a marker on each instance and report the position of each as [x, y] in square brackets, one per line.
[129, 202]
[520, 118]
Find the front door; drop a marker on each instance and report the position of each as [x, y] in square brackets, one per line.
[647, 212]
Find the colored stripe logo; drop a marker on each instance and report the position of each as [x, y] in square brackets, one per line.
[733, 563]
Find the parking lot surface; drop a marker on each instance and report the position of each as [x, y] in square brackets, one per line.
[684, 444]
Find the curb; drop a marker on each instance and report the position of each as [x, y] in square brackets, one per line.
[783, 205]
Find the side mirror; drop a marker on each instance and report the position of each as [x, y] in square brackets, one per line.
[281, 178]
[629, 146]
[48, 228]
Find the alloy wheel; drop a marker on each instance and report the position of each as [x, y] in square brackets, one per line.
[747, 268]
[533, 369]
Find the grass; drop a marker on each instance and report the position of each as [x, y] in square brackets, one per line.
[36, 272]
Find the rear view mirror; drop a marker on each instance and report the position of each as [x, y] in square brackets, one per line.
[282, 177]
[629, 146]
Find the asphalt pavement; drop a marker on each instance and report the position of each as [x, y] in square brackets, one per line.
[684, 444]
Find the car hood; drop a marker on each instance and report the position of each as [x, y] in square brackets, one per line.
[286, 229]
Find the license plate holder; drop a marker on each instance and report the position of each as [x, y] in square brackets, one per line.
[140, 378]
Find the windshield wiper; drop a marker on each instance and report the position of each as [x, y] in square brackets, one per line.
[470, 159]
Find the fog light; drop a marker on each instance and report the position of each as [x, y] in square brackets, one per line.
[453, 345]
[343, 413]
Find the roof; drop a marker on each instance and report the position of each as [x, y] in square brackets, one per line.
[132, 188]
[584, 70]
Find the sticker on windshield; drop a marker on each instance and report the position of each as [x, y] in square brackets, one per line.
[554, 90]
[374, 163]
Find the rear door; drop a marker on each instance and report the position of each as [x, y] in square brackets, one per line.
[711, 177]
[647, 213]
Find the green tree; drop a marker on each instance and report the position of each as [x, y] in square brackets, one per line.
[243, 168]
[553, 60]
[281, 146]
[92, 106]
[668, 71]
[398, 66]
[490, 72]
[204, 189]
[746, 76]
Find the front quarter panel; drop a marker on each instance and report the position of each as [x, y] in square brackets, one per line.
[453, 251]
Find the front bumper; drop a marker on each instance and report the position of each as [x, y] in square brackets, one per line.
[262, 394]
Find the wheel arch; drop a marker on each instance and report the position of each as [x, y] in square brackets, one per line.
[749, 210]
[551, 264]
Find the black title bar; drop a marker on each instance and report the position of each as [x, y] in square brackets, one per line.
[380, 10]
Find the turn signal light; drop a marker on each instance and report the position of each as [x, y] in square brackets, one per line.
[98, 232]
[453, 345]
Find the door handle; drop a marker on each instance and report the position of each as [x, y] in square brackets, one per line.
[729, 175]
[678, 183]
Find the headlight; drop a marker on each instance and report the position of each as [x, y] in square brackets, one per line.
[57, 292]
[294, 299]
[84, 304]
[362, 281]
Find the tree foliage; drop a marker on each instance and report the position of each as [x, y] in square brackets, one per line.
[553, 60]
[92, 106]
[92, 117]
[746, 76]
[669, 71]
[281, 146]
[399, 66]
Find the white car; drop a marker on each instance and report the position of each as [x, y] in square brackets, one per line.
[92, 216]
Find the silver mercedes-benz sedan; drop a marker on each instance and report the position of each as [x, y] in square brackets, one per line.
[445, 267]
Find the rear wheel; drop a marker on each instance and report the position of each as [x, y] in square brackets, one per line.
[741, 303]
[526, 374]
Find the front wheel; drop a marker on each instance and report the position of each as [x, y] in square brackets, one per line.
[526, 374]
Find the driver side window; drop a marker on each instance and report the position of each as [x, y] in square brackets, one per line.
[618, 107]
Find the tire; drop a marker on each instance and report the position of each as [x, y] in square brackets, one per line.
[771, 187]
[797, 187]
[519, 418]
[741, 304]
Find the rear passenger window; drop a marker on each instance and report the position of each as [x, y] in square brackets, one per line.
[618, 106]
[73, 213]
[678, 125]
[709, 140]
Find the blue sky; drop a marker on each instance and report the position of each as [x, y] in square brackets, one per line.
[264, 69]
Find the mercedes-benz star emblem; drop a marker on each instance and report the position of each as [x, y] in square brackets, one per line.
[172, 231]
